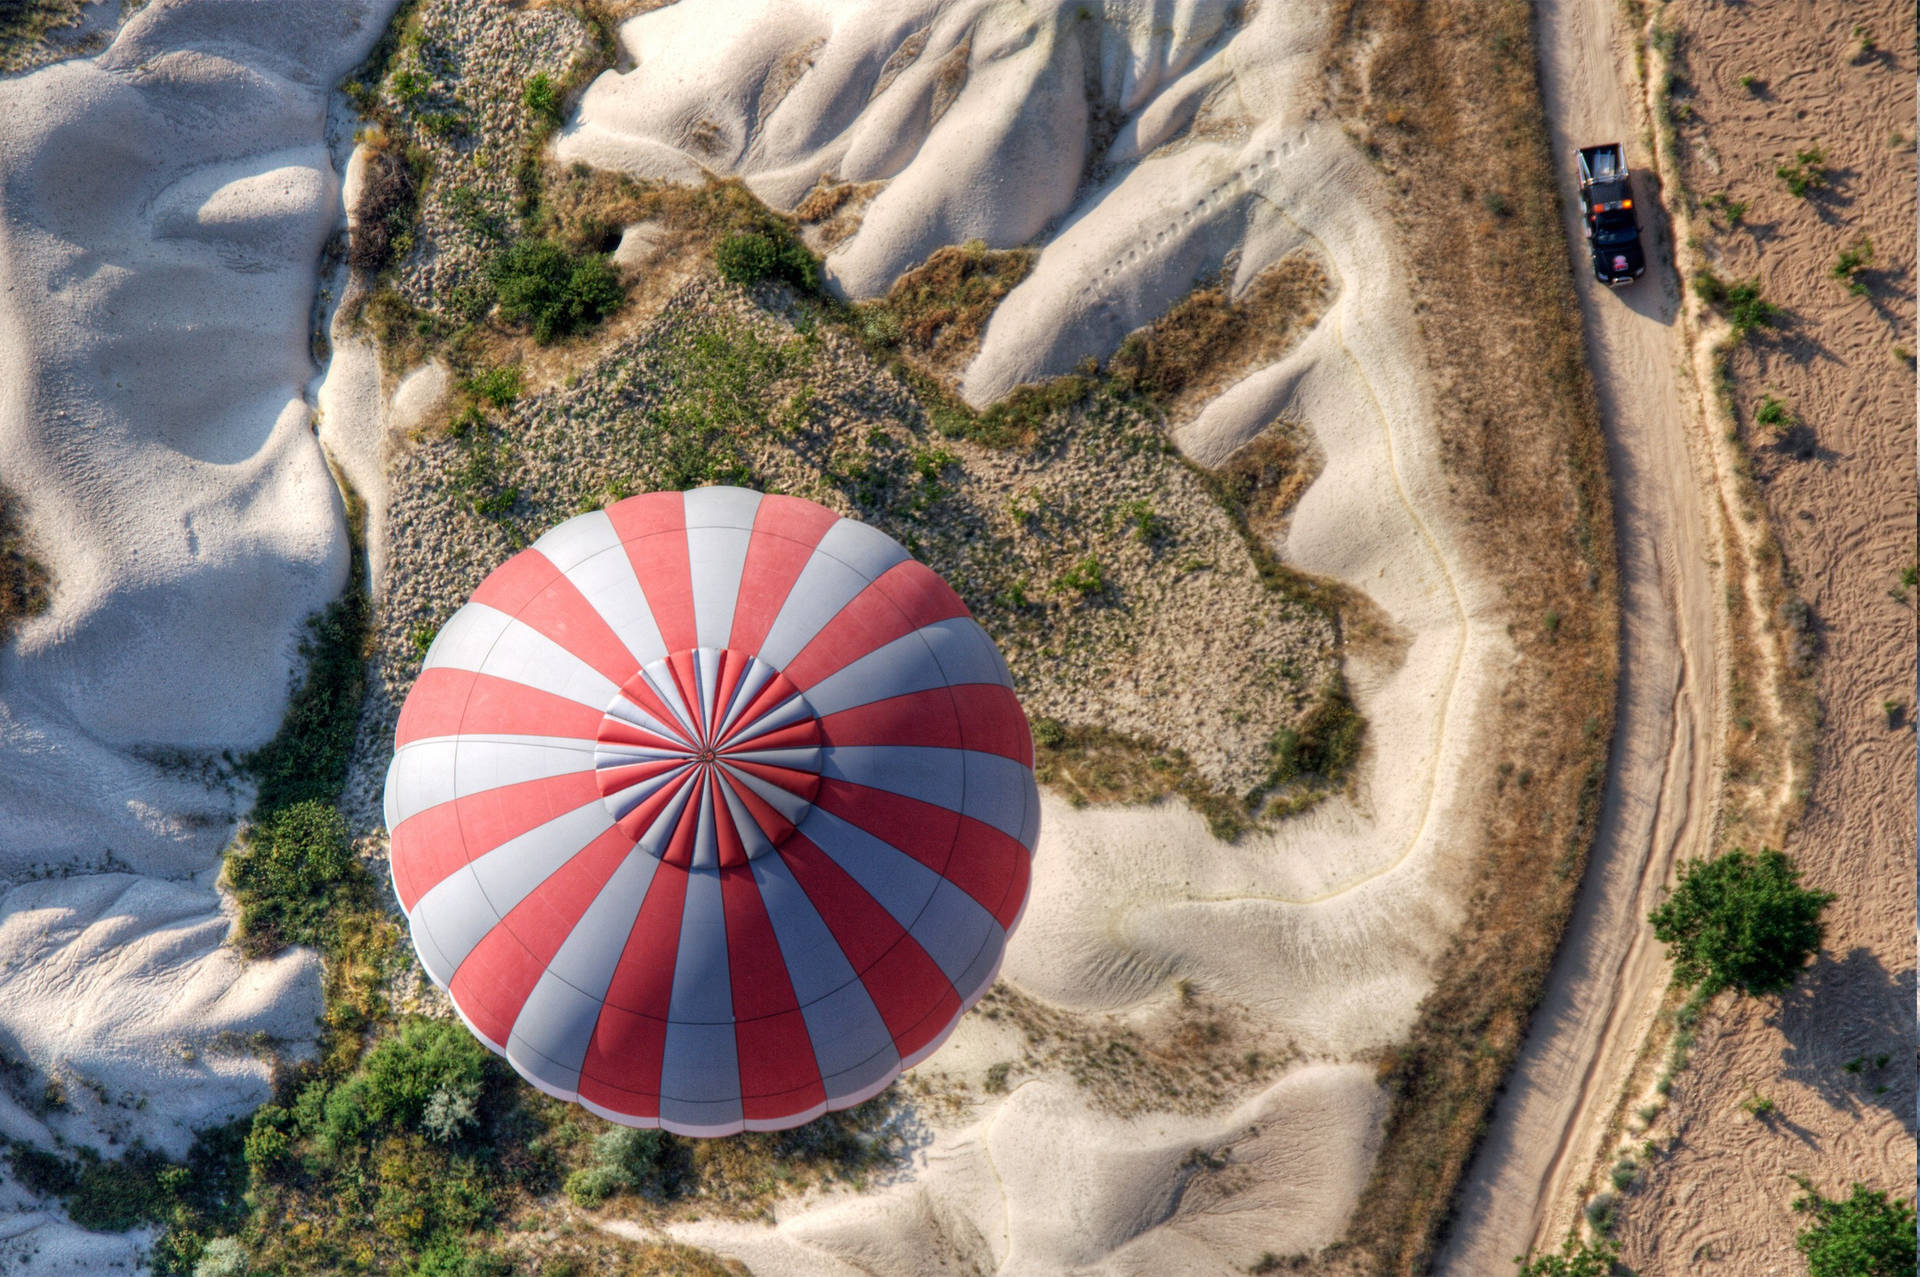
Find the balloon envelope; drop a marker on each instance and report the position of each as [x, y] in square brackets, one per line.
[712, 811]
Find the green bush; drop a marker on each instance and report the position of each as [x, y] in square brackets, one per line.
[592, 1185]
[751, 256]
[1866, 1235]
[497, 386]
[308, 756]
[553, 291]
[1087, 577]
[390, 1092]
[1740, 921]
[268, 1144]
[542, 97]
[1741, 302]
[287, 871]
[1772, 412]
[1805, 173]
[627, 1159]
[1853, 264]
[1577, 1258]
[1326, 743]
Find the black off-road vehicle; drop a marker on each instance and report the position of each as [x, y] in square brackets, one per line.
[1613, 229]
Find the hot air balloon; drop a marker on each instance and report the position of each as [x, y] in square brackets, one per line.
[712, 811]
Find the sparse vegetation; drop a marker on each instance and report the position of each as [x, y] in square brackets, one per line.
[1773, 413]
[24, 24]
[496, 386]
[25, 587]
[389, 205]
[1852, 265]
[1739, 301]
[1758, 1105]
[1867, 1235]
[1725, 206]
[1208, 338]
[1805, 172]
[1577, 1258]
[1740, 921]
[937, 311]
[307, 758]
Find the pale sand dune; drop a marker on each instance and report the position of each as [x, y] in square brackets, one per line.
[162, 209]
[1325, 929]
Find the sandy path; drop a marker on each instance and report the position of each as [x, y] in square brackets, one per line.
[1608, 979]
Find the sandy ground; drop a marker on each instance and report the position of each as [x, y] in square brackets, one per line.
[1718, 1200]
[162, 209]
[1325, 930]
[1575, 1085]
[1607, 981]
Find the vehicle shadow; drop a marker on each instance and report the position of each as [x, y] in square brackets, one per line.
[1849, 1025]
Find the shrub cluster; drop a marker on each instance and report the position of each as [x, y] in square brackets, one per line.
[289, 873]
[553, 291]
[627, 1160]
[751, 256]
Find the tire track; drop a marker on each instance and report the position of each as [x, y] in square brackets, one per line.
[1607, 980]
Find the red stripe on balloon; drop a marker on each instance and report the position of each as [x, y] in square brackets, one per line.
[529, 587]
[786, 531]
[653, 528]
[493, 981]
[794, 782]
[732, 665]
[793, 735]
[907, 987]
[989, 866]
[619, 731]
[778, 1073]
[679, 849]
[776, 693]
[640, 692]
[899, 601]
[622, 1068]
[728, 847]
[432, 843]
[992, 722]
[640, 819]
[686, 681]
[984, 717]
[426, 848]
[914, 718]
[771, 822]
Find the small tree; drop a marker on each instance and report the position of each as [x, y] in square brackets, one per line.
[1740, 921]
[1577, 1258]
[553, 291]
[1865, 1236]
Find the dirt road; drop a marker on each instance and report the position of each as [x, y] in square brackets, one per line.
[1607, 981]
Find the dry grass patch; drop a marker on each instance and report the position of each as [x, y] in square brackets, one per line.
[936, 312]
[25, 587]
[1191, 1057]
[25, 23]
[1209, 340]
[1432, 92]
[1087, 765]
